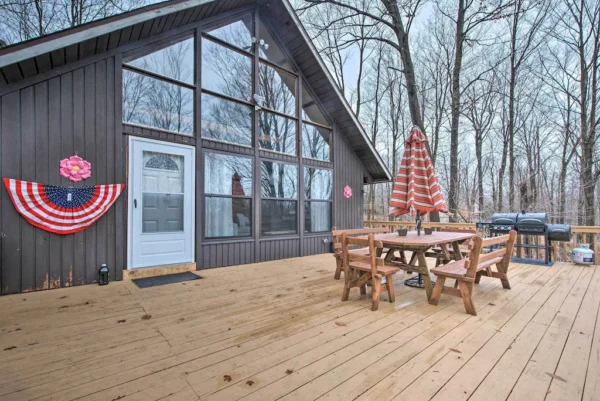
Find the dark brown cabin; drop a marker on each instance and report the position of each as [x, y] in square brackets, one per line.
[233, 141]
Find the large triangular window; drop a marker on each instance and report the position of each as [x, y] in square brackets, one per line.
[269, 50]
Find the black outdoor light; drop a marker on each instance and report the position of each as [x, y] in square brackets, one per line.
[103, 275]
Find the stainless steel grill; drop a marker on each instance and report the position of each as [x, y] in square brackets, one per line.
[531, 224]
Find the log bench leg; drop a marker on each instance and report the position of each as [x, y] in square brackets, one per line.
[465, 293]
[437, 290]
[376, 293]
[389, 283]
[338, 268]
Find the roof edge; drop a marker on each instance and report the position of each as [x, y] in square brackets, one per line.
[57, 40]
[322, 65]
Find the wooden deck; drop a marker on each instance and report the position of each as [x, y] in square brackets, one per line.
[278, 331]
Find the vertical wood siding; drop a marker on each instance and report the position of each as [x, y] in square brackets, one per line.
[348, 170]
[40, 125]
[315, 245]
[225, 254]
[279, 249]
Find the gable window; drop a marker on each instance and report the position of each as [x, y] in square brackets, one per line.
[237, 33]
[158, 89]
[279, 203]
[270, 50]
[226, 71]
[227, 111]
[316, 131]
[277, 133]
[225, 120]
[278, 88]
[228, 200]
[318, 184]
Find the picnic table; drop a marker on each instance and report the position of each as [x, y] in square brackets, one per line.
[419, 245]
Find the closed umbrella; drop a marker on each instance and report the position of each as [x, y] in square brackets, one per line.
[416, 189]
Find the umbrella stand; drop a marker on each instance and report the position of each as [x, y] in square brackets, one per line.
[417, 281]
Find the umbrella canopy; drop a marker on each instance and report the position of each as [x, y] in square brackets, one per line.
[416, 187]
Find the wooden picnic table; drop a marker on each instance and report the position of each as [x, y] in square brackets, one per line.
[419, 245]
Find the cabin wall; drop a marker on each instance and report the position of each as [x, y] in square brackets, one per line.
[71, 113]
[77, 110]
[348, 213]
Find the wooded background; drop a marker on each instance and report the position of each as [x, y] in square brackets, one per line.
[506, 91]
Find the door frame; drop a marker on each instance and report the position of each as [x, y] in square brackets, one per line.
[130, 194]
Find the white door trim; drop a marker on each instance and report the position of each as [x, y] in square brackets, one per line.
[130, 194]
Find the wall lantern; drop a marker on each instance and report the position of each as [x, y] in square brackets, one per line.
[103, 275]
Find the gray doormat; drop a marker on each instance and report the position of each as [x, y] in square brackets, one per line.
[163, 280]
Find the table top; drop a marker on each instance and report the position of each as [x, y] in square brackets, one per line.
[412, 239]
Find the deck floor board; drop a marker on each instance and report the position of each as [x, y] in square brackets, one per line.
[278, 331]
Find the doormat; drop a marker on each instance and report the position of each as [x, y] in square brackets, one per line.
[164, 280]
[527, 261]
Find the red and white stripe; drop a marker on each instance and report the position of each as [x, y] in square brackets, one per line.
[416, 186]
[31, 202]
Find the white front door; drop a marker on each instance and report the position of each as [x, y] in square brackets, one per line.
[161, 203]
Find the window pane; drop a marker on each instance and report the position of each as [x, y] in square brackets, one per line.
[278, 89]
[277, 133]
[226, 71]
[278, 217]
[317, 183]
[317, 217]
[175, 61]
[156, 103]
[228, 217]
[315, 142]
[310, 110]
[162, 192]
[238, 33]
[226, 121]
[270, 50]
[227, 175]
[279, 180]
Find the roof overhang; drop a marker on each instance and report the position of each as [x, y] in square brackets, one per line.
[283, 17]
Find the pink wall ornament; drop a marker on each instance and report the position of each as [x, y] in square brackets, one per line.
[347, 192]
[75, 168]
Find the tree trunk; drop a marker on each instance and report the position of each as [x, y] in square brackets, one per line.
[478, 155]
[455, 111]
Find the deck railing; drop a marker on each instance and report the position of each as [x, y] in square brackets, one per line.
[561, 251]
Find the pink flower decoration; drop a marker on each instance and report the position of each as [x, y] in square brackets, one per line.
[347, 191]
[75, 168]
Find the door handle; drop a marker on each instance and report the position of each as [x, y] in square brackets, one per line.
[135, 203]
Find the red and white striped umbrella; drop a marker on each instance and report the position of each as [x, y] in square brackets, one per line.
[416, 187]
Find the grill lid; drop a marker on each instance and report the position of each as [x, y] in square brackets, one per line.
[504, 218]
[524, 219]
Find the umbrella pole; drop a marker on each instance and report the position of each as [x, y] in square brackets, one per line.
[417, 281]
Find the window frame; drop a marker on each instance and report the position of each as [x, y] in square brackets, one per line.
[307, 201]
[253, 151]
[296, 200]
[157, 46]
[329, 142]
[207, 195]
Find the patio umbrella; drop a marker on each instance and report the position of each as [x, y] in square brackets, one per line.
[416, 189]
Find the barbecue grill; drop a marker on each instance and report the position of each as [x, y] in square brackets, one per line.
[531, 224]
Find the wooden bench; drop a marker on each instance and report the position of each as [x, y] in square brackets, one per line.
[337, 244]
[360, 269]
[468, 271]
